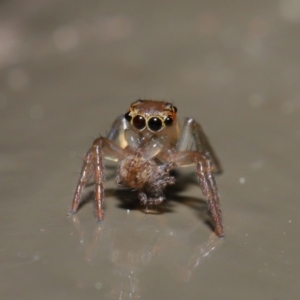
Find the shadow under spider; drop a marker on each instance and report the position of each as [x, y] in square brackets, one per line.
[128, 199]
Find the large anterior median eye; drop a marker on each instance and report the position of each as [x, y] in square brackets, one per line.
[139, 122]
[155, 124]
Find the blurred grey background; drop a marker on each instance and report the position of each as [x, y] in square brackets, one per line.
[68, 68]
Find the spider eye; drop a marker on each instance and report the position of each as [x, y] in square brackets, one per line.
[128, 117]
[168, 121]
[139, 122]
[175, 109]
[154, 124]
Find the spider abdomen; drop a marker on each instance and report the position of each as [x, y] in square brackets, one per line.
[138, 173]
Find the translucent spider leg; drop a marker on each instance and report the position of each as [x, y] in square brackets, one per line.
[205, 176]
[116, 133]
[193, 134]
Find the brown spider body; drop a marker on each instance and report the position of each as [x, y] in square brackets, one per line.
[138, 173]
[147, 142]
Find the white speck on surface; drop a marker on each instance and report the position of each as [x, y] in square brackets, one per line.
[290, 221]
[98, 285]
[242, 180]
[36, 257]
[128, 211]
[65, 38]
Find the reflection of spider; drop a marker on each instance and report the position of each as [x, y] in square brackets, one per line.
[147, 142]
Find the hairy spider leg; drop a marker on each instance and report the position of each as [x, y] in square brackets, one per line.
[93, 161]
[205, 176]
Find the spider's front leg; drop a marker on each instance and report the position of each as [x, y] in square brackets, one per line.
[93, 163]
[205, 176]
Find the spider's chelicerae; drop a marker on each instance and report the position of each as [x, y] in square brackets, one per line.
[148, 142]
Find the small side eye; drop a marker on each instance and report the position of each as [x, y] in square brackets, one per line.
[170, 106]
[168, 121]
[155, 124]
[128, 116]
[139, 122]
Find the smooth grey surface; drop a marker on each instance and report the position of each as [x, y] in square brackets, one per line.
[68, 68]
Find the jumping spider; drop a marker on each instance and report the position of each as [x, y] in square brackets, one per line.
[148, 142]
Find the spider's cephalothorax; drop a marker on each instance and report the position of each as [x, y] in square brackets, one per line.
[160, 115]
[148, 142]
